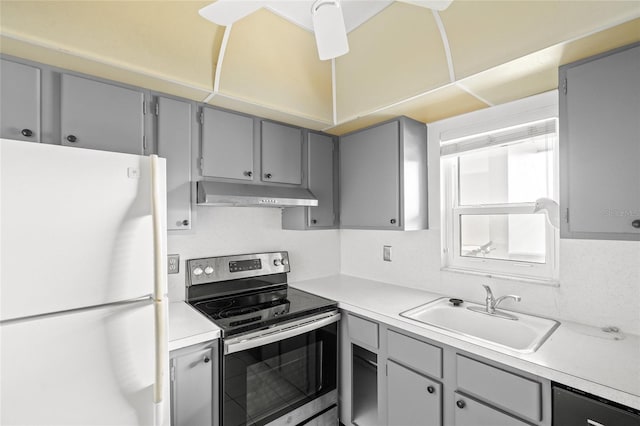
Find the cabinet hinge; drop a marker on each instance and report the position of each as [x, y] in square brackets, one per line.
[202, 164]
[566, 215]
[172, 373]
[144, 141]
[156, 108]
[201, 118]
[144, 108]
[386, 369]
[564, 86]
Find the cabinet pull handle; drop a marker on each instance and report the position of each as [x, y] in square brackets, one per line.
[185, 222]
[636, 223]
[314, 221]
[460, 403]
[248, 173]
[206, 359]
[72, 138]
[27, 133]
[268, 175]
[431, 389]
[393, 221]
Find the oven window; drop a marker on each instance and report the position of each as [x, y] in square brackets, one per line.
[264, 383]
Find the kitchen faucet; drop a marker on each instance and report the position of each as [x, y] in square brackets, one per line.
[492, 303]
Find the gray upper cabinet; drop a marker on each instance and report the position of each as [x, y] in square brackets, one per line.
[281, 153]
[97, 115]
[412, 399]
[600, 146]
[227, 145]
[174, 144]
[321, 162]
[383, 177]
[20, 101]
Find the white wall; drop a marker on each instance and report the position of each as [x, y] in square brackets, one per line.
[220, 231]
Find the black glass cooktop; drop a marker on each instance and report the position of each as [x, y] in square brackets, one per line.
[250, 311]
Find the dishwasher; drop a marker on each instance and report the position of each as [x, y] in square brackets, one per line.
[573, 407]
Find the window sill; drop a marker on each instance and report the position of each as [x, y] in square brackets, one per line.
[528, 280]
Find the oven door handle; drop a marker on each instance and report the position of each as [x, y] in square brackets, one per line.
[278, 333]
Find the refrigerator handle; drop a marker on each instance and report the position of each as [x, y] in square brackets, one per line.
[158, 290]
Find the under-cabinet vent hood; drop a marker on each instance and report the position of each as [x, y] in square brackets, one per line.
[238, 194]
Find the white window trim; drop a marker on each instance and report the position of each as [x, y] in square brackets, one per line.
[540, 107]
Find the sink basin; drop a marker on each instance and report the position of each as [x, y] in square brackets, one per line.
[524, 334]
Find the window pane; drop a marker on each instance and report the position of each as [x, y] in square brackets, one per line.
[516, 173]
[516, 237]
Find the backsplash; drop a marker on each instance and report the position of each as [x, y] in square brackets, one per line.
[222, 231]
[599, 280]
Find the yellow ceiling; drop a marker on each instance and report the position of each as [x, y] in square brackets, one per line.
[500, 51]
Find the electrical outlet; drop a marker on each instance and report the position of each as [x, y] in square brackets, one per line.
[173, 266]
[386, 253]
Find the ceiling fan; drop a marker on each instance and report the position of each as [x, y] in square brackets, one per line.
[325, 17]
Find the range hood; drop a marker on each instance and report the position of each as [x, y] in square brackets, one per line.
[239, 194]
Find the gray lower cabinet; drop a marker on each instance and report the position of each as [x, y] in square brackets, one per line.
[600, 146]
[173, 136]
[321, 162]
[412, 399]
[103, 116]
[20, 101]
[281, 148]
[383, 177]
[194, 379]
[469, 412]
[227, 145]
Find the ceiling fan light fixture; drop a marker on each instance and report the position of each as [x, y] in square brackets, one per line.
[329, 29]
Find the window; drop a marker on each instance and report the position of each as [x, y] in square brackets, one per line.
[491, 183]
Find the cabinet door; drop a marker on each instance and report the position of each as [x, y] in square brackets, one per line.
[469, 412]
[281, 153]
[227, 145]
[192, 388]
[369, 178]
[602, 158]
[174, 144]
[412, 398]
[20, 101]
[101, 116]
[321, 179]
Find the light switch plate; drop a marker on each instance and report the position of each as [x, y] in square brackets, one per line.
[173, 267]
[386, 253]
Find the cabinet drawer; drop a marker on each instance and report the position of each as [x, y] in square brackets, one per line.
[414, 353]
[509, 391]
[473, 413]
[363, 331]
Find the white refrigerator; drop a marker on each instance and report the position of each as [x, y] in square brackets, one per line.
[83, 289]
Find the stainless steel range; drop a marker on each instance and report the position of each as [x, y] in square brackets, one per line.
[279, 353]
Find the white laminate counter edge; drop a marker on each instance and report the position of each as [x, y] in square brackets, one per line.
[189, 327]
[541, 364]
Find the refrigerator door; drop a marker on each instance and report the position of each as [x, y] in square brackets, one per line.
[76, 228]
[91, 367]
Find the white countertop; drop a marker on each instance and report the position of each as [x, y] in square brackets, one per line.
[188, 327]
[575, 355]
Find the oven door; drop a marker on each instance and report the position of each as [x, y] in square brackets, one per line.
[286, 374]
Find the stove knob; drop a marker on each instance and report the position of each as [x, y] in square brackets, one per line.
[284, 262]
[208, 270]
[276, 262]
[197, 272]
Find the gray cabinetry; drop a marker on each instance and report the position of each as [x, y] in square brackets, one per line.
[20, 101]
[101, 116]
[383, 177]
[321, 163]
[281, 153]
[227, 145]
[600, 146]
[412, 399]
[469, 412]
[174, 143]
[193, 385]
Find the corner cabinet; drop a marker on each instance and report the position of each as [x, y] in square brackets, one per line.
[383, 177]
[194, 383]
[20, 101]
[600, 146]
[320, 156]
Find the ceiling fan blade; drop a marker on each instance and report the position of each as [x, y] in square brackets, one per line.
[430, 4]
[226, 12]
[329, 29]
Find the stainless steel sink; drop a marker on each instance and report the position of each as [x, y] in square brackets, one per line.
[525, 334]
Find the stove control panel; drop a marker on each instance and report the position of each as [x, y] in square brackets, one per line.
[224, 268]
